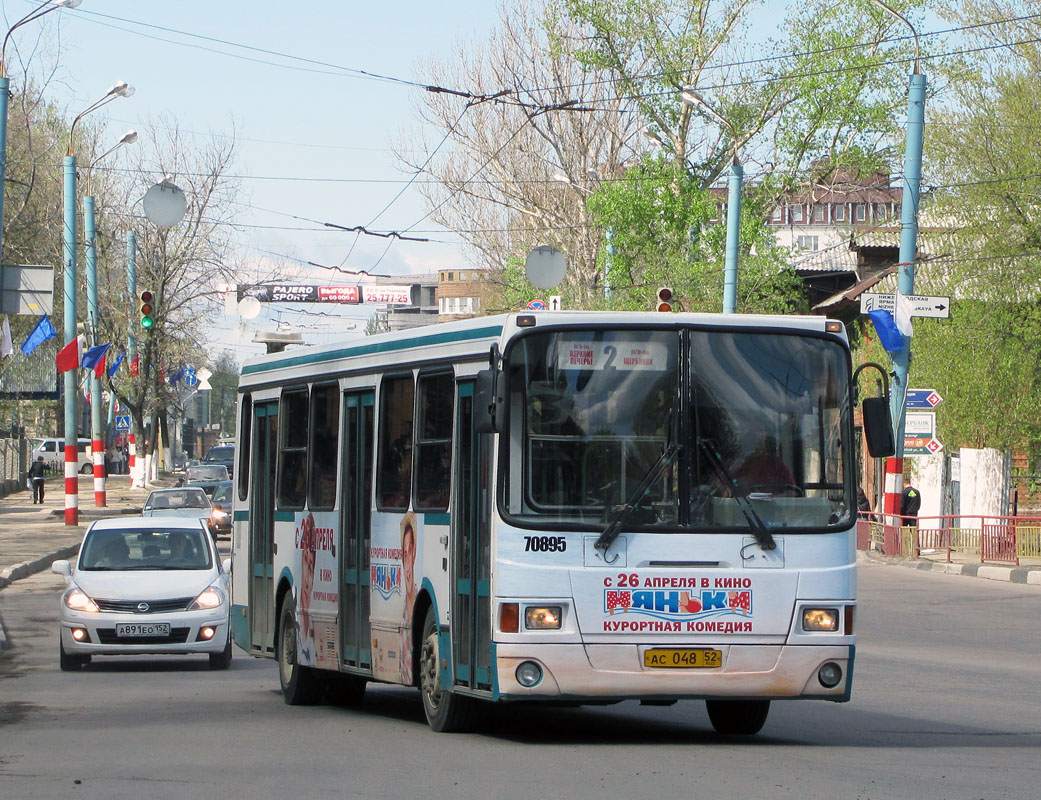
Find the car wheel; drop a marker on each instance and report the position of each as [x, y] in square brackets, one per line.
[221, 660]
[446, 712]
[737, 717]
[301, 686]
[70, 663]
[86, 469]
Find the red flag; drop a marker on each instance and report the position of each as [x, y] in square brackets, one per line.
[99, 370]
[134, 368]
[69, 356]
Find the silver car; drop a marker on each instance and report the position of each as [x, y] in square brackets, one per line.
[145, 585]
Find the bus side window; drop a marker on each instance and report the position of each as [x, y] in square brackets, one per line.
[292, 484]
[397, 396]
[434, 442]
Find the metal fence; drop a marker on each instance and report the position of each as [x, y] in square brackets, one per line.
[983, 539]
[14, 461]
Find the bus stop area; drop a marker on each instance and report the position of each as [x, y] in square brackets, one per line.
[996, 547]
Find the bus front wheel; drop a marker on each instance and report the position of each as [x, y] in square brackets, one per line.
[737, 717]
[301, 686]
[446, 712]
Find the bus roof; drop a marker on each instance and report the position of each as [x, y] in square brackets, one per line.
[471, 339]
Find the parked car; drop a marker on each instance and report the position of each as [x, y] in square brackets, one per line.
[223, 454]
[186, 501]
[219, 520]
[53, 452]
[206, 476]
[145, 585]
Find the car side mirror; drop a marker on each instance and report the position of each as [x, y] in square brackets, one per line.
[63, 568]
[226, 565]
[489, 402]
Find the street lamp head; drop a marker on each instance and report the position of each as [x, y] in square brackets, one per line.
[129, 137]
[120, 89]
[67, 3]
[653, 134]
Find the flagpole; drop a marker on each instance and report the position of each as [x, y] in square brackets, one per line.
[97, 446]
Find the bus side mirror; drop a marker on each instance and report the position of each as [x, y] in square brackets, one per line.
[489, 403]
[878, 429]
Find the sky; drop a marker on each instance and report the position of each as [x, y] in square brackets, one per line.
[313, 133]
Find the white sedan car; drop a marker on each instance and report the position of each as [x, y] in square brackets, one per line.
[145, 585]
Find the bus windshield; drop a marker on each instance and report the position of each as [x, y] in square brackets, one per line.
[753, 427]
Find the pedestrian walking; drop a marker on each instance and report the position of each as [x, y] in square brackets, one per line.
[36, 470]
[910, 502]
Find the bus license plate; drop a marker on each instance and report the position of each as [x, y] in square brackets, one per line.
[132, 629]
[682, 658]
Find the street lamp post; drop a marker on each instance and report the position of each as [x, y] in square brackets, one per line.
[905, 271]
[691, 97]
[121, 89]
[90, 246]
[5, 88]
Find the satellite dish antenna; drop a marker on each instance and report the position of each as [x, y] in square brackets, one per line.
[249, 307]
[165, 204]
[545, 267]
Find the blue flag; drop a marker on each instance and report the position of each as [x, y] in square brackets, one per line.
[92, 356]
[115, 364]
[888, 333]
[176, 376]
[40, 334]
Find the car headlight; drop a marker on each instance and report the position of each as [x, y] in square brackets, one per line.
[542, 618]
[77, 600]
[218, 513]
[210, 597]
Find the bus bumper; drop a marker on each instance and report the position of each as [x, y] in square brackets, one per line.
[616, 671]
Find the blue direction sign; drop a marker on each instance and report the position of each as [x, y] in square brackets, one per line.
[122, 422]
[923, 398]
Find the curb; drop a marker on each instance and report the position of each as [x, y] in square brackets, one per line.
[27, 568]
[1024, 575]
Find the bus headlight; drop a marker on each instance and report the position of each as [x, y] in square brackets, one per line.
[820, 619]
[542, 618]
[528, 674]
[829, 675]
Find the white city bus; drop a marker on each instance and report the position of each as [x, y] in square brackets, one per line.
[563, 507]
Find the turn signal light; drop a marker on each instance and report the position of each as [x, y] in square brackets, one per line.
[509, 618]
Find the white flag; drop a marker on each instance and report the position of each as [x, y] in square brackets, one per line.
[6, 345]
[903, 314]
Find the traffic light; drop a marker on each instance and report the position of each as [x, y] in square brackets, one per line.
[664, 299]
[147, 310]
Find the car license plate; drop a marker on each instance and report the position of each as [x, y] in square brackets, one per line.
[682, 657]
[132, 629]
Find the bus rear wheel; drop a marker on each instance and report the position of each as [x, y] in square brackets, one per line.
[301, 685]
[446, 712]
[737, 717]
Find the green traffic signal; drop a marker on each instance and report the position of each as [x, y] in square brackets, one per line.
[147, 320]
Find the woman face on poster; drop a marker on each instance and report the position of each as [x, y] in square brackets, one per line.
[408, 561]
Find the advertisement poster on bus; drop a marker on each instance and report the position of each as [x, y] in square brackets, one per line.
[319, 592]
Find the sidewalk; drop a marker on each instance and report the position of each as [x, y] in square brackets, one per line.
[1028, 573]
[32, 536]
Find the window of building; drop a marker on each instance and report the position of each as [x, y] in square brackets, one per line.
[434, 442]
[394, 479]
[292, 457]
[795, 214]
[325, 415]
[776, 214]
[818, 212]
[807, 242]
[451, 277]
[838, 212]
[861, 212]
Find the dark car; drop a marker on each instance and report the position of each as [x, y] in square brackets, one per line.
[219, 521]
[223, 454]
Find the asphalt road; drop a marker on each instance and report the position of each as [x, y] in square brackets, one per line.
[945, 705]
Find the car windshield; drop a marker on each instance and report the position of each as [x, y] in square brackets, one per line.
[134, 549]
[222, 494]
[211, 472]
[187, 498]
[221, 454]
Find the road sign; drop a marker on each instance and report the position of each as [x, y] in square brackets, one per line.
[919, 424]
[921, 305]
[921, 446]
[923, 398]
[536, 305]
[123, 422]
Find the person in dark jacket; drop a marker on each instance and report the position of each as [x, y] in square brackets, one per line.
[36, 470]
[910, 502]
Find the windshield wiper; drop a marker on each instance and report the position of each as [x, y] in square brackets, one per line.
[614, 527]
[759, 531]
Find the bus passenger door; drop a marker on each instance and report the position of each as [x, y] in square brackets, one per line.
[355, 530]
[262, 529]
[471, 612]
